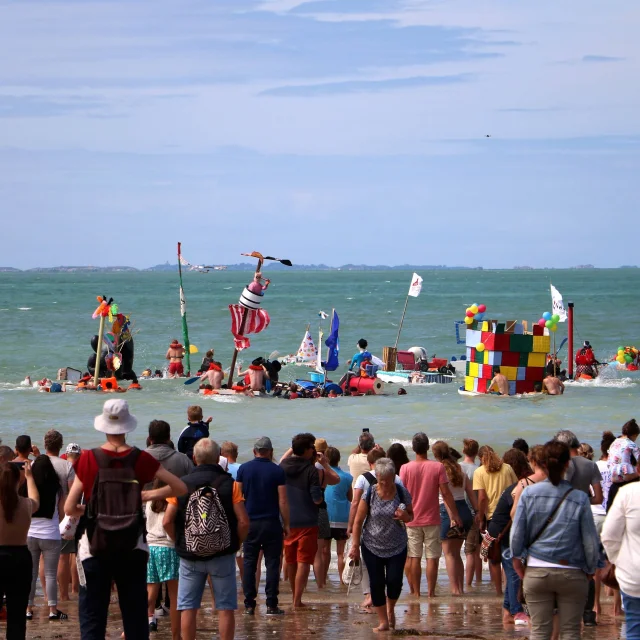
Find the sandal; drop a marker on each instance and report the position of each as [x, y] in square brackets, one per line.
[29, 615]
[58, 615]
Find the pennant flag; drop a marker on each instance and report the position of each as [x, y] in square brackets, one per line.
[416, 286]
[323, 315]
[333, 343]
[257, 321]
[557, 304]
[307, 351]
[202, 268]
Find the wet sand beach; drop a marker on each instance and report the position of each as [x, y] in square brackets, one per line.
[333, 614]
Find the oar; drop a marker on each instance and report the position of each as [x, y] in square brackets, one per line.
[192, 380]
[560, 347]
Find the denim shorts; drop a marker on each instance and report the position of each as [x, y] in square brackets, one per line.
[465, 515]
[193, 578]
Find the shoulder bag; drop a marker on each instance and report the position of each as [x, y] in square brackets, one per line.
[521, 596]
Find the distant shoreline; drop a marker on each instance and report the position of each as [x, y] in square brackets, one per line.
[246, 266]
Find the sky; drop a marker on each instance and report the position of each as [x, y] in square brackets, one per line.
[324, 131]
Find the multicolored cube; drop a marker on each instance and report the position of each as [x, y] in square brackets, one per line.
[520, 355]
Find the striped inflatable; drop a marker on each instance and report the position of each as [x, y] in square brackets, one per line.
[250, 300]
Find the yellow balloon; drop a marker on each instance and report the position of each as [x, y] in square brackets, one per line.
[474, 308]
[193, 348]
[553, 327]
[480, 347]
[468, 320]
[621, 352]
[620, 359]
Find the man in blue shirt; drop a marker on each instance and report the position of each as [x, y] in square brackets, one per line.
[356, 361]
[263, 484]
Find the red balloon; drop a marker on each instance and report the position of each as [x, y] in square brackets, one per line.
[482, 308]
[470, 314]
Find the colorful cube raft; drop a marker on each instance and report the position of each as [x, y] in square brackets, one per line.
[521, 356]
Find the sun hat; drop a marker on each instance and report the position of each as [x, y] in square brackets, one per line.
[115, 419]
[263, 443]
[321, 445]
[72, 447]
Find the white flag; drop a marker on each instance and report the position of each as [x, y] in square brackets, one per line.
[557, 305]
[416, 286]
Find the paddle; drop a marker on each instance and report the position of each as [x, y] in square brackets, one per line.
[192, 380]
[560, 347]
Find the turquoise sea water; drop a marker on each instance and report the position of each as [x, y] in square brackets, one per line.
[46, 324]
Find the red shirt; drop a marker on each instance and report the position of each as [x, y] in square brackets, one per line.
[86, 467]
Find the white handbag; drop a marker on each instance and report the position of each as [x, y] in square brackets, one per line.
[68, 527]
[352, 573]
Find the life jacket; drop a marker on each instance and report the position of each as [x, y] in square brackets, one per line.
[110, 385]
[585, 357]
[214, 367]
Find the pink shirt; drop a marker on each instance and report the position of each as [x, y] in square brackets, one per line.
[423, 479]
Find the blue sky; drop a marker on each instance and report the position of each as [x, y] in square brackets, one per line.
[327, 131]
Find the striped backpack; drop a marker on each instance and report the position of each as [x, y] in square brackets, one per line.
[206, 526]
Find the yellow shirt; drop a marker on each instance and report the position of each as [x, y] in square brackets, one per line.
[493, 484]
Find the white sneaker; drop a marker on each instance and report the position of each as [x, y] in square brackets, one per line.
[161, 611]
[521, 620]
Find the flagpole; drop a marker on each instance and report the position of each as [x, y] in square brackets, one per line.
[406, 303]
[183, 313]
[234, 357]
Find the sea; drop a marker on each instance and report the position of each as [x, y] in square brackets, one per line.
[46, 324]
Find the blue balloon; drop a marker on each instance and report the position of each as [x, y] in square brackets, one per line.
[547, 315]
[479, 316]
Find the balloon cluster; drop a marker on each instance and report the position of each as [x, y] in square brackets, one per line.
[626, 355]
[550, 321]
[474, 312]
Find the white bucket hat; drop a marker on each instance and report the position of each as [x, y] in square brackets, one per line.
[115, 419]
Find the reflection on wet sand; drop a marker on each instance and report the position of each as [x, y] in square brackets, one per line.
[332, 614]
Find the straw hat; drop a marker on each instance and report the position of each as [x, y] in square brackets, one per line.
[321, 445]
[115, 419]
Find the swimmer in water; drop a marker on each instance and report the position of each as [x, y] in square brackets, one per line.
[499, 385]
[553, 386]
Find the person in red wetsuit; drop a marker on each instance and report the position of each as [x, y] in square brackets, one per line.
[586, 361]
